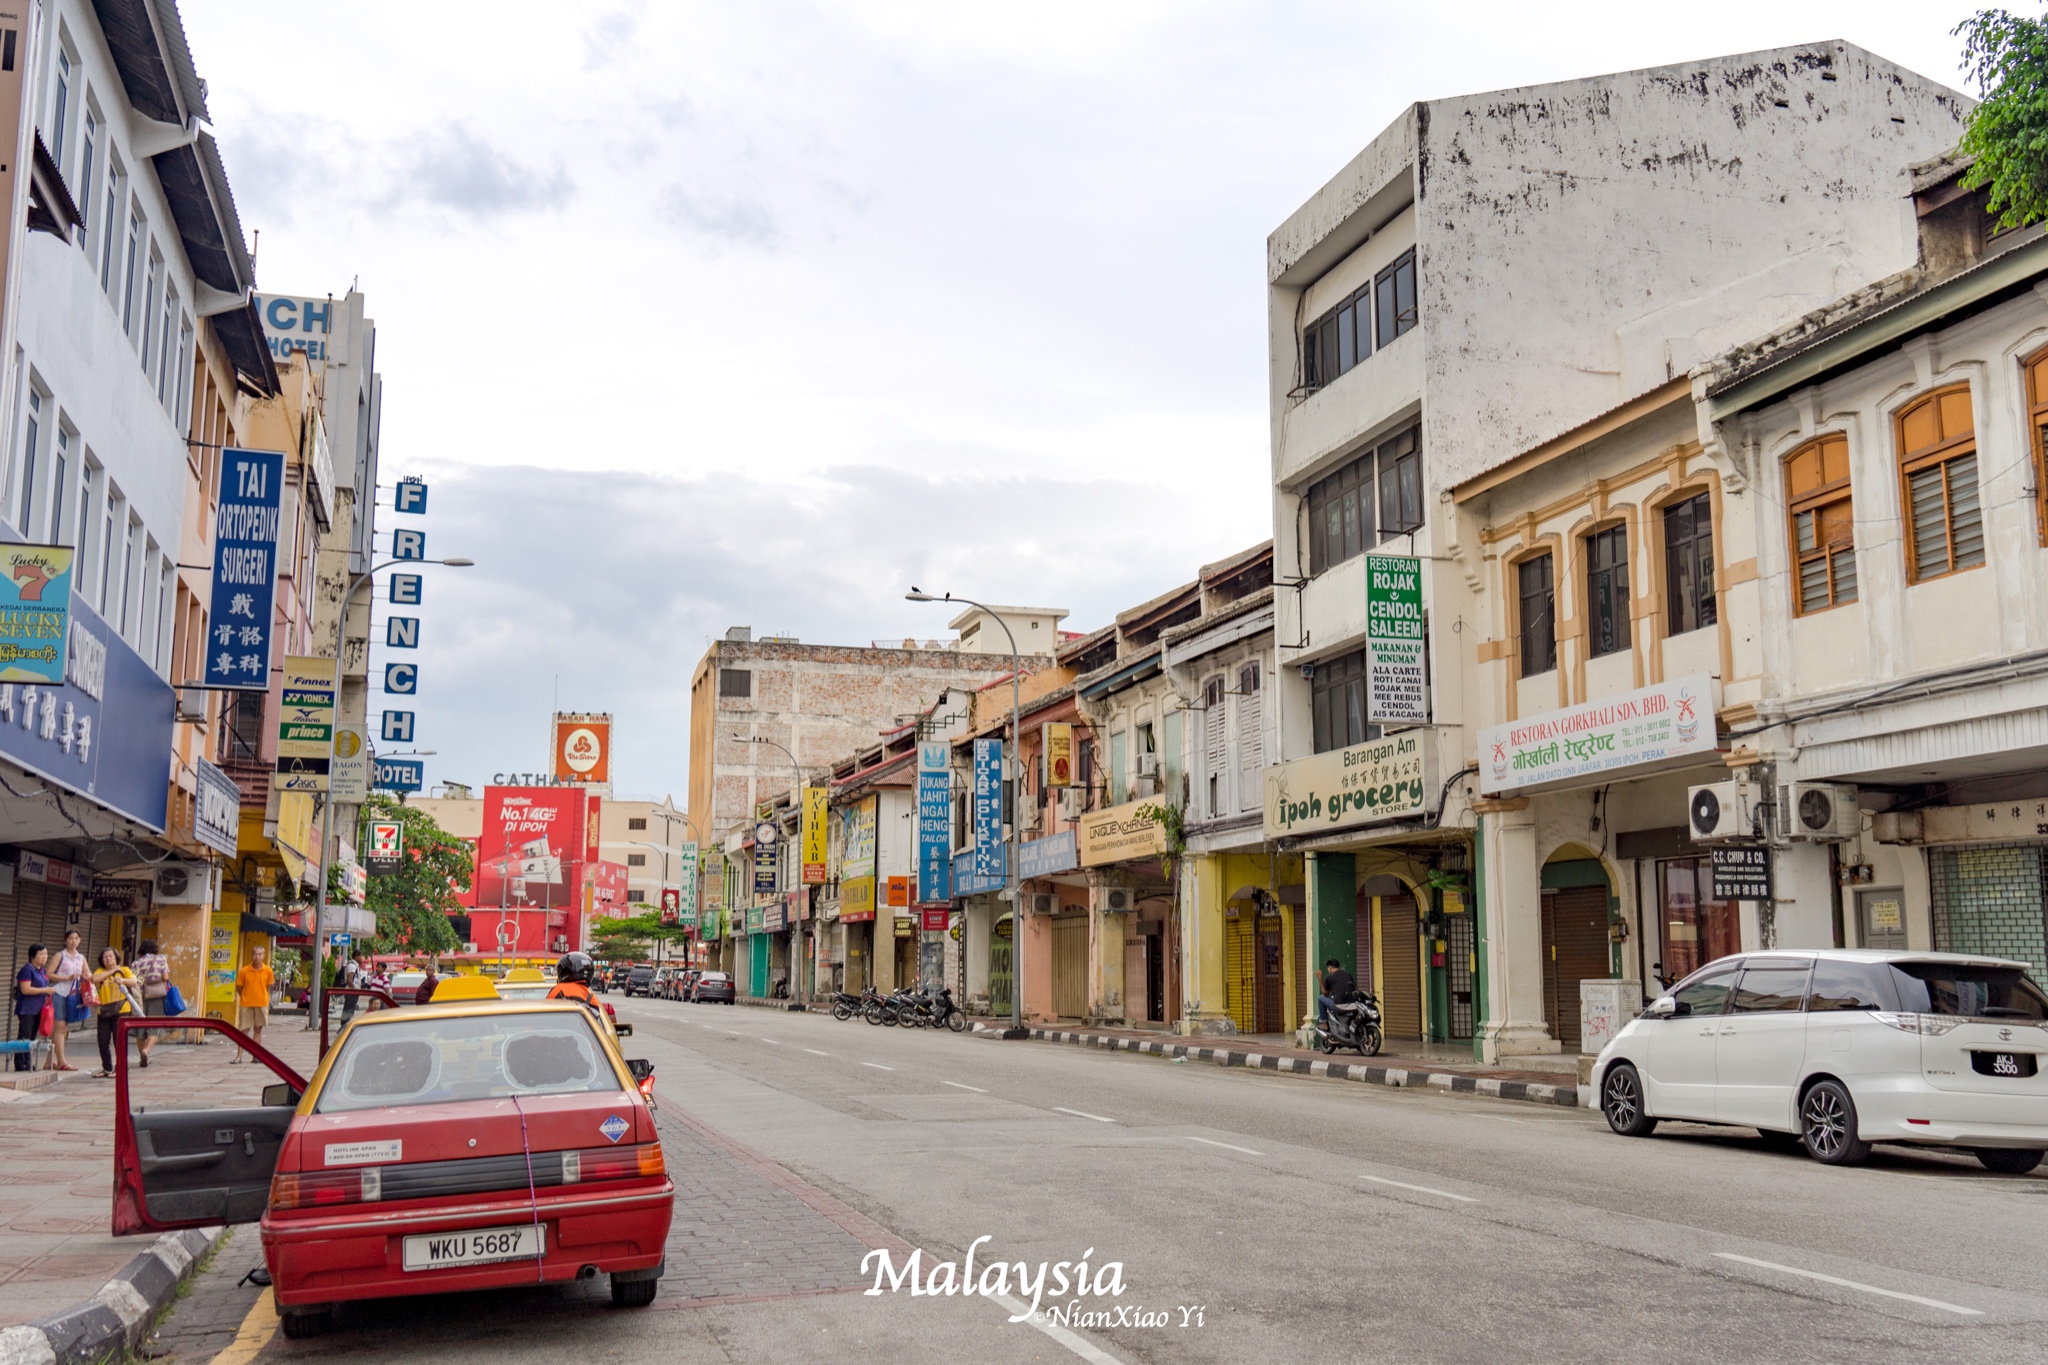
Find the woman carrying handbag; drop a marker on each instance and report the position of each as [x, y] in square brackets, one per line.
[154, 972]
[118, 994]
[33, 1012]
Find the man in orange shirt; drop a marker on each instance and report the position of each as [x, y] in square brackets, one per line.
[252, 997]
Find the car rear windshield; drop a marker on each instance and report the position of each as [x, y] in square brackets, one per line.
[1971, 991]
[714, 976]
[490, 1056]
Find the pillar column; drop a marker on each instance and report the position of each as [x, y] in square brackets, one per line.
[1201, 927]
[1106, 931]
[1513, 906]
[1332, 923]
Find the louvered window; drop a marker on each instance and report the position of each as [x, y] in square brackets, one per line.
[1938, 457]
[1215, 745]
[1251, 743]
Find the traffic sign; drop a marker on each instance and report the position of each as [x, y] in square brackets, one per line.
[339, 940]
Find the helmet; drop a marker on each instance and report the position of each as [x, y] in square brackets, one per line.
[574, 967]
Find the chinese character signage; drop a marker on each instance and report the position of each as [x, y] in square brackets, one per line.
[35, 612]
[1395, 676]
[988, 808]
[1381, 779]
[1673, 720]
[244, 570]
[1059, 754]
[305, 725]
[1742, 873]
[767, 857]
[934, 825]
[814, 835]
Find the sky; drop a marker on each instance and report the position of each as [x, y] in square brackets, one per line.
[696, 316]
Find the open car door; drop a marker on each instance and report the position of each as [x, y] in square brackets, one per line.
[194, 1168]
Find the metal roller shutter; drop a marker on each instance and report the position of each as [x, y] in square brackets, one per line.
[1240, 952]
[1400, 956]
[1574, 949]
[1070, 966]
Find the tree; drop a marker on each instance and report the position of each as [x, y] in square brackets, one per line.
[2007, 57]
[625, 938]
[413, 904]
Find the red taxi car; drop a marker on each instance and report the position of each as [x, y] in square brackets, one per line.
[475, 1145]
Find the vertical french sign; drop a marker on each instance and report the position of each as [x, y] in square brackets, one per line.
[934, 822]
[988, 809]
[244, 570]
[1395, 674]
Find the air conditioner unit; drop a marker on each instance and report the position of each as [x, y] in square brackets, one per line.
[192, 703]
[182, 883]
[1822, 812]
[1718, 812]
[1118, 900]
[1148, 765]
[1073, 802]
[1033, 815]
[1044, 903]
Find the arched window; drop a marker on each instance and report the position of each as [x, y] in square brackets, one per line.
[2037, 409]
[1823, 524]
[1938, 461]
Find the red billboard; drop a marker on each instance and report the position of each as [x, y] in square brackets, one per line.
[529, 869]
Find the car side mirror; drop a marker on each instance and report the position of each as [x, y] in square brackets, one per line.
[280, 1096]
[1667, 1008]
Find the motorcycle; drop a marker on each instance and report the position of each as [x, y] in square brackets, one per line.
[845, 1005]
[1354, 1023]
[946, 1014]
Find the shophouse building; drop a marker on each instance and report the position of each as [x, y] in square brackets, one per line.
[1893, 455]
[1493, 272]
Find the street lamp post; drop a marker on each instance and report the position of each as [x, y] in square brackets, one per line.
[1016, 1028]
[796, 932]
[318, 986]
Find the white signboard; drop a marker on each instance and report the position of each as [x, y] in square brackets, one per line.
[1671, 720]
[1395, 675]
[1381, 779]
[349, 776]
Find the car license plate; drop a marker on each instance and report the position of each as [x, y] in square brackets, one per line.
[477, 1246]
[2013, 1065]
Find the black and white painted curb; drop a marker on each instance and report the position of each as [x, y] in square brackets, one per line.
[1400, 1077]
[114, 1321]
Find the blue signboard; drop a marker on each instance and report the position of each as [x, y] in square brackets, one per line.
[105, 732]
[399, 775]
[244, 570]
[402, 679]
[968, 882]
[1044, 857]
[409, 496]
[405, 589]
[988, 808]
[397, 727]
[934, 837]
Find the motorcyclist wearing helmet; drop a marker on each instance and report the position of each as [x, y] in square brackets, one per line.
[572, 980]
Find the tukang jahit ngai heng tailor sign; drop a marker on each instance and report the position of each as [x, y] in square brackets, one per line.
[1381, 779]
[1672, 720]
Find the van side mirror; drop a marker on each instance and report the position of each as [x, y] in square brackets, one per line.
[1666, 1008]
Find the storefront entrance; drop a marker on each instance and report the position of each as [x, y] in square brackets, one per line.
[1001, 954]
[1390, 955]
[1697, 928]
[1574, 950]
[1990, 900]
[1070, 966]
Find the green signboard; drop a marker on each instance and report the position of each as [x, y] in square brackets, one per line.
[1396, 678]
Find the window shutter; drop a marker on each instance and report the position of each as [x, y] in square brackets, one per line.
[1251, 741]
[1215, 739]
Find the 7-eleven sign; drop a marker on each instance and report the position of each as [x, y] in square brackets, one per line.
[386, 848]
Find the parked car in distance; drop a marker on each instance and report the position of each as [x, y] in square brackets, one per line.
[640, 979]
[1838, 1048]
[665, 978]
[715, 988]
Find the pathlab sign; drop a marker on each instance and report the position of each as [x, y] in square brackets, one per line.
[1381, 779]
[1672, 720]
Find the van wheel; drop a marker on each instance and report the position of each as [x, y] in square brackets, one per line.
[2009, 1160]
[633, 1293]
[1621, 1100]
[299, 1323]
[1827, 1125]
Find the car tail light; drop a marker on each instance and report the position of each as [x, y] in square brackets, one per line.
[1932, 1025]
[320, 1189]
[613, 1163]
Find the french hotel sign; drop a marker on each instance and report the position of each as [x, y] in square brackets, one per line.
[1673, 720]
[1381, 779]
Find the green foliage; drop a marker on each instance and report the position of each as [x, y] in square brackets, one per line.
[1173, 820]
[413, 904]
[631, 937]
[2007, 57]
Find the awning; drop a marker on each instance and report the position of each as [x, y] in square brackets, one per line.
[256, 924]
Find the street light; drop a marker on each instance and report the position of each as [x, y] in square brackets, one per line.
[796, 934]
[318, 993]
[1016, 1028]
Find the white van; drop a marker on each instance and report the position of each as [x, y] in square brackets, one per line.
[1839, 1049]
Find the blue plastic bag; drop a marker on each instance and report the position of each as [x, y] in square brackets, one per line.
[174, 1003]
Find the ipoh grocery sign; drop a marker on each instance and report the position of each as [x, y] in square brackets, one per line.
[1382, 779]
[1671, 720]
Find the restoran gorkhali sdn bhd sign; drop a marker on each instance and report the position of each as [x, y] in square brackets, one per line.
[1672, 720]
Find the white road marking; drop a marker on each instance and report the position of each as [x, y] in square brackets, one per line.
[878, 1066]
[1246, 1150]
[1422, 1189]
[815, 1053]
[1081, 1114]
[771, 1042]
[1073, 1341]
[957, 1086]
[1852, 1284]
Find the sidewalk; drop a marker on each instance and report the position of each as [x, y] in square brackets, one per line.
[55, 1189]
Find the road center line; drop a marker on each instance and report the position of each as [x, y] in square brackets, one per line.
[1852, 1284]
[957, 1086]
[1211, 1142]
[1073, 1341]
[1082, 1114]
[815, 1053]
[1422, 1189]
[771, 1042]
[878, 1066]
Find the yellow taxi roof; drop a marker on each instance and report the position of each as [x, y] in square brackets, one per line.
[460, 988]
[527, 974]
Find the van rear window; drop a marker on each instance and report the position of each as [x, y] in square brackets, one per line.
[1969, 991]
[490, 1056]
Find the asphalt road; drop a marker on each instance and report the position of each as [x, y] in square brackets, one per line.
[1252, 1216]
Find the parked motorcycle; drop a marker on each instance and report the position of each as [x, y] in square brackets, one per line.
[1353, 1023]
[946, 1014]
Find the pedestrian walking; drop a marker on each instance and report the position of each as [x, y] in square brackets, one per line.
[252, 998]
[116, 990]
[34, 997]
[153, 970]
[350, 978]
[73, 998]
